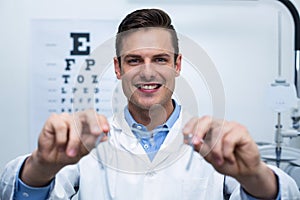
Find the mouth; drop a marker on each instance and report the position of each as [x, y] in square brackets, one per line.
[149, 87]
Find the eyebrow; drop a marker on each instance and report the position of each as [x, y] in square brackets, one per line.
[155, 56]
[132, 55]
[162, 55]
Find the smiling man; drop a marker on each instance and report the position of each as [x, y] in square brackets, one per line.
[147, 67]
[144, 151]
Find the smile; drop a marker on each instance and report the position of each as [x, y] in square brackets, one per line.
[150, 87]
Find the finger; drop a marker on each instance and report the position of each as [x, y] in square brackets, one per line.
[197, 127]
[96, 123]
[93, 126]
[201, 128]
[188, 138]
[196, 122]
[212, 150]
[189, 126]
[56, 128]
[213, 130]
[238, 139]
[230, 141]
[73, 147]
[60, 125]
[88, 121]
[104, 125]
[204, 150]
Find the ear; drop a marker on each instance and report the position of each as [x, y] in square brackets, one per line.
[178, 64]
[117, 68]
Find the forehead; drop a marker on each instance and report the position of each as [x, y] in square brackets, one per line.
[147, 38]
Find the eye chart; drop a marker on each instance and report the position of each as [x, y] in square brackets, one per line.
[62, 78]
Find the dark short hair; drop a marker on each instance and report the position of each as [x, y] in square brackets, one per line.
[146, 18]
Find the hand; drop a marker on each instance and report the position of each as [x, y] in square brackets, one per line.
[64, 140]
[230, 149]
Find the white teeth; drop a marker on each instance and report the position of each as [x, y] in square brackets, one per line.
[148, 87]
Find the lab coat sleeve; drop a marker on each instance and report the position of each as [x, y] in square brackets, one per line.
[66, 183]
[288, 187]
[8, 178]
[65, 187]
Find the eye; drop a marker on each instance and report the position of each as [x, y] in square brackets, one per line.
[161, 60]
[133, 61]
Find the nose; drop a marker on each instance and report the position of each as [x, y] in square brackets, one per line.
[147, 71]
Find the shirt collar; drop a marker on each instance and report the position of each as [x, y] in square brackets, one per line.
[169, 123]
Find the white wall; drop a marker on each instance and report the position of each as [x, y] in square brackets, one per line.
[246, 62]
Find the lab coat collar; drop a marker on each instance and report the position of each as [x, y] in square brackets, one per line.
[170, 150]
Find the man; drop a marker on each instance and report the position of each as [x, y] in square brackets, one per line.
[144, 156]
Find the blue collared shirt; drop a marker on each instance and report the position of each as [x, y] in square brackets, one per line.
[26, 192]
[152, 143]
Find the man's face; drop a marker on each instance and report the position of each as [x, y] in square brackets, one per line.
[148, 69]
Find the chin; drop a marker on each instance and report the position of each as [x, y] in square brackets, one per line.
[143, 105]
[146, 104]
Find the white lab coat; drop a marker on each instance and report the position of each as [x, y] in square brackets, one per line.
[125, 172]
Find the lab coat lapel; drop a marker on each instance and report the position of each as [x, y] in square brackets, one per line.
[134, 154]
[173, 146]
[128, 140]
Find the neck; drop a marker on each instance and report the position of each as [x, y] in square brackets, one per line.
[154, 116]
